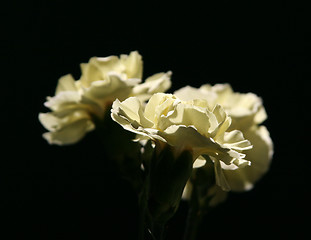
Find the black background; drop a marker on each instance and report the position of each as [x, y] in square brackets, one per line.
[51, 192]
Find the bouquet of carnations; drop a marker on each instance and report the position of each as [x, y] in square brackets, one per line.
[195, 144]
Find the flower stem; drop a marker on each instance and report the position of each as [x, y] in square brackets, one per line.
[158, 231]
[143, 206]
[142, 215]
[194, 216]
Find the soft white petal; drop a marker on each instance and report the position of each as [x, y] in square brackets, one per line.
[133, 64]
[158, 105]
[62, 99]
[183, 137]
[54, 123]
[260, 157]
[159, 82]
[131, 109]
[70, 134]
[187, 115]
[66, 83]
[189, 93]
[98, 68]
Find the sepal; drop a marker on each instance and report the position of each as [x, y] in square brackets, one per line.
[168, 177]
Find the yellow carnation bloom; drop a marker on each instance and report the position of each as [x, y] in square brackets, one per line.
[247, 113]
[103, 80]
[185, 125]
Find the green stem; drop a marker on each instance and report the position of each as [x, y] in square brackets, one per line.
[158, 231]
[194, 216]
[142, 214]
[143, 206]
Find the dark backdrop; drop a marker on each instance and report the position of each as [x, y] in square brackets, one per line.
[51, 192]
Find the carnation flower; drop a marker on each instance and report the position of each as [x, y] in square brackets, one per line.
[247, 113]
[186, 125]
[77, 103]
[245, 109]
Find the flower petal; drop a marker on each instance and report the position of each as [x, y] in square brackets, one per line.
[108, 90]
[133, 64]
[159, 82]
[98, 68]
[53, 123]
[260, 156]
[66, 83]
[187, 115]
[158, 105]
[70, 134]
[189, 93]
[183, 137]
[63, 99]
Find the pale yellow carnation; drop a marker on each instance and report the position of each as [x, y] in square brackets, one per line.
[103, 80]
[186, 125]
[245, 109]
[247, 113]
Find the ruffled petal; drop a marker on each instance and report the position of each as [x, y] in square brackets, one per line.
[183, 137]
[133, 64]
[260, 157]
[66, 83]
[68, 129]
[70, 134]
[159, 82]
[104, 92]
[189, 93]
[98, 68]
[62, 100]
[189, 116]
[158, 105]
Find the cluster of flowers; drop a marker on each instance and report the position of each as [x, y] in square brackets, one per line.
[219, 127]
